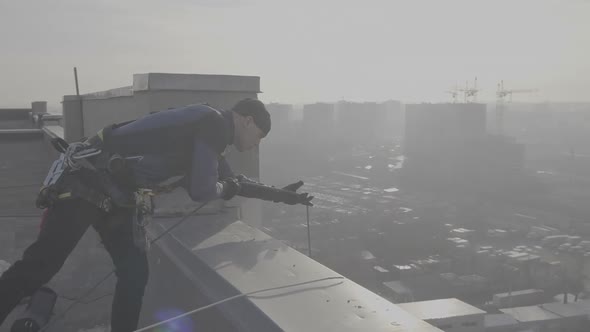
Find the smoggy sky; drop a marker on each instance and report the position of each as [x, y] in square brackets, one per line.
[303, 50]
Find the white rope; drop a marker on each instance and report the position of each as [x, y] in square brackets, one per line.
[233, 298]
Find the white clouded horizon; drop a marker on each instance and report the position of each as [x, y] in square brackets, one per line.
[304, 51]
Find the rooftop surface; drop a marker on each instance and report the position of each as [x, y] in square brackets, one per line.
[530, 314]
[397, 286]
[566, 309]
[499, 320]
[438, 309]
[520, 292]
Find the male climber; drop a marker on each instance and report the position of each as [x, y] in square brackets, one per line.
[96, 182]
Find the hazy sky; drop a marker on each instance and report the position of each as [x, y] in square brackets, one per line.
[303, 50]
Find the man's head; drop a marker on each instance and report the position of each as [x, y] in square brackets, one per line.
[251, 123]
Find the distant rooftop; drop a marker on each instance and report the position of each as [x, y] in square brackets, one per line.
[530, 314]
[572, 309]
[499, 320]
[520, 292]
[397, 286]
[443, 308]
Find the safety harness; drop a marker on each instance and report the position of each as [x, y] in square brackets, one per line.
[107, 182]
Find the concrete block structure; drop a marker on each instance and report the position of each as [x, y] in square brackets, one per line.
[39, 107]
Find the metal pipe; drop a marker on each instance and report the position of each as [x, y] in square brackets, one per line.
[308, 233]
[79, 100]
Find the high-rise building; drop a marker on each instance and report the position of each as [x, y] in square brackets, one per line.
[448, 145]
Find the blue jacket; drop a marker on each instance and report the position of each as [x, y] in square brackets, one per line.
[186, 141]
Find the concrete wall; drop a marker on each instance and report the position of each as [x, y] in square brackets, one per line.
[72, 118]
[23, 166]
[15, 118]
[99, 113]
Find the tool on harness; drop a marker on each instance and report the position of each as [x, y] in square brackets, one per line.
[144, 210]
[87, 156]
[59, 144]
[287, 195]
[60, 184]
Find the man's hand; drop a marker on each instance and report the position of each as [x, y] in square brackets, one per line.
[231, 187]
[287, 195]
[293, 198]
[303, 198]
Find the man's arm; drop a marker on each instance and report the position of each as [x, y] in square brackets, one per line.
[203, 177]
[224, 170]
[203, 184]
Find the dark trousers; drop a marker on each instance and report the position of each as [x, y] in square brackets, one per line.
[64, 225]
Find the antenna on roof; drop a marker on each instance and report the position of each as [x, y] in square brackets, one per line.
[79, 99]
[308, 233]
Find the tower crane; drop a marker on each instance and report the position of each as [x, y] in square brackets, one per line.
[470, 94]
[454, 92]
[504, 96]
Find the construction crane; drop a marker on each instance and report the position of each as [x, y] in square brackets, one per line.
[501, 99]
[454, 92]
[470, 94]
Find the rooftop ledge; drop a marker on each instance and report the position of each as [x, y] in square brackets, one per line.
[54, 131]
[221, 255]
[21, 133]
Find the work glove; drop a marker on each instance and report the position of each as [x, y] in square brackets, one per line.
[293, 198]
[298, 198]
[231, 187]
[287, 195]
[293, 186]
